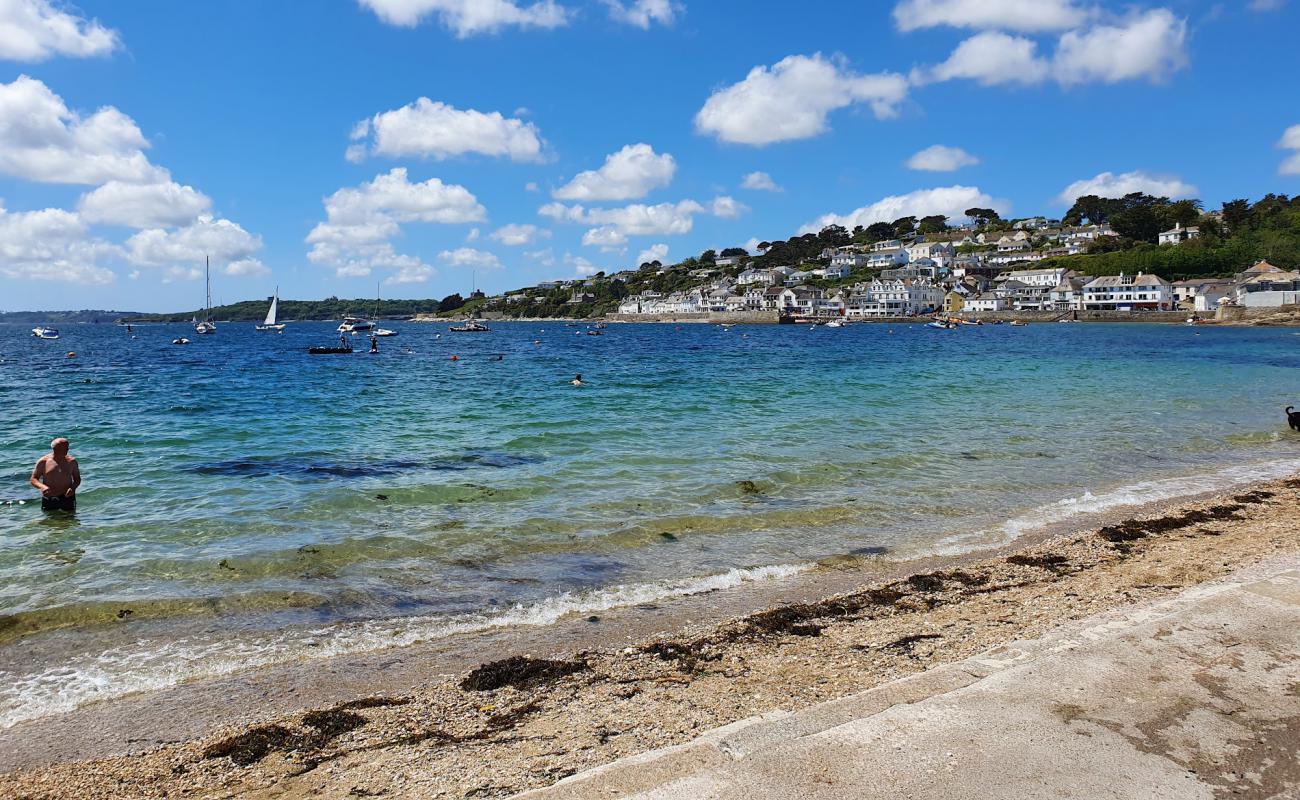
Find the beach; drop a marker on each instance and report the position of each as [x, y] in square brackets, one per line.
[533, 716]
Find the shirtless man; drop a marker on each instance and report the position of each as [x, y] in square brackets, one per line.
[57, 476]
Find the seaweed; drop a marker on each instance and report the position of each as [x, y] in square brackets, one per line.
[333, 722]
[1053, 563]
[255, 744]
[1134, 529]
[519, 672]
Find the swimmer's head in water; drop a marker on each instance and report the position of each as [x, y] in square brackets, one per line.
[59, 445]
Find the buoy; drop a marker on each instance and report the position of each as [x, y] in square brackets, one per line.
[454, 358]
[72, 354]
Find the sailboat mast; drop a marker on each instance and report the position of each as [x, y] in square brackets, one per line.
[207, 280]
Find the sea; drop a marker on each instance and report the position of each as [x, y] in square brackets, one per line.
[246, 504]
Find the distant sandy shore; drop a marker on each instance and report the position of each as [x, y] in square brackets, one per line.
[520, 723]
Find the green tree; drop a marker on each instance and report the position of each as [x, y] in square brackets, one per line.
[903, 226]
[1236, 214]
[982, 216]
[936, 223]
[879, 231]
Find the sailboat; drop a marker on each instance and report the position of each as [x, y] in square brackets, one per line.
[269, 324]
[207, 325]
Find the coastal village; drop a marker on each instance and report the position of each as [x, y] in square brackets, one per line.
[965, 270]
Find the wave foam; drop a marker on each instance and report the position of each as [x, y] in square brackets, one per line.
[119, 671]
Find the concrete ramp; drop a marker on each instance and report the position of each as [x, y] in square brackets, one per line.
[1193, 697]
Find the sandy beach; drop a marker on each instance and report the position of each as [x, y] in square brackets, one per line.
[523, 722]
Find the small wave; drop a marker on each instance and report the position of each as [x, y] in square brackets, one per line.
[1154, 491]
[119, 671]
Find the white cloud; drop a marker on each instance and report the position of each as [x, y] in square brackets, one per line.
[1265, 5]
[655, 252]
[753, 244]
[42, 140]
[990, 58]
[545, 256]
[516, 235]
[143, 205]
[1290, 141]
[633, 220]
[34, 30]
[727, 207]
[230, 246]
[411, 273]
[938, 158]
[605, 237]
[1150, 45]
[631, 173]
[582, 268]
[52, 245]
[643, 13]
[469, 17]
[792, 99]
[468, 257]
[951, 201]
[1108, 184]
[1028, 16]
[473, 235]
[360, 220]
[436, 130]
[760, 181]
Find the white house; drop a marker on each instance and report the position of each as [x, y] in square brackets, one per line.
[984, 303]
[1035, 277]
[728, 261]
[939, 252]
[750, 276]
[890, 257]
[1269, 290]
[1128, 293]
[839, 271]
[1008, 244]
[1178, 234]
[849, 260]
[886, 244]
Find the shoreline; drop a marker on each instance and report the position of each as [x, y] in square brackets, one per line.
[646, 678]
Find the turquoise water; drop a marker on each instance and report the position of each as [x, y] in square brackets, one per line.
[232, 488]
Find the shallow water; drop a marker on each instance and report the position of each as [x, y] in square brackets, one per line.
[246, 503]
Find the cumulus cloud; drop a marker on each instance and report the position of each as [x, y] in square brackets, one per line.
[143, 205]
[468, 257]
[361, 220]
[228, 244]
[516, 235]
[792, 99]
[582, 268]
[629, 174]
[1108, 184]
[427, 129]
[467, 18]
[990, 58]
[643, 13]
[951, 201]
[655, 252]
[1150, 45]
[1028, 16]
[939, 158]
[759, 181]
[42, 140]
[606, 237]
[545, 256]
[52, 245]
[633, 220]
[1290, 141]
[727, 207]
[34, 30]
[411, 273]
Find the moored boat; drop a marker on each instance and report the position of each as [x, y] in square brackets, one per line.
[206, 325]
[270, 324]
[45, 332]
[470, 326]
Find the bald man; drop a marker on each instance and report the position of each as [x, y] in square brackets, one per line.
[57, 477]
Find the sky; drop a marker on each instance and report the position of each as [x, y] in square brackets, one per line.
[417, 148]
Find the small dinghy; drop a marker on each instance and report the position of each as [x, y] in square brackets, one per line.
[45, 332]
[344, 347]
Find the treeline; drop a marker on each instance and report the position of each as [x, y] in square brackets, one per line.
[63, 317]
[329, 308]
[1230, 240]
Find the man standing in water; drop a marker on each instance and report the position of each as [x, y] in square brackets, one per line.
[57, 476]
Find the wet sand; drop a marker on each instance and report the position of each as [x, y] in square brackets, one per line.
[416, 722]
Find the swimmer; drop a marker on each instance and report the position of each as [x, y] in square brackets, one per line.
[577, 380]
[57, 477]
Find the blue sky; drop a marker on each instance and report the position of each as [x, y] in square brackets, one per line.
[328, 147]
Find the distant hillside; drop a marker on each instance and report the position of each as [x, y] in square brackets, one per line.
[63, 317]
[329, 308]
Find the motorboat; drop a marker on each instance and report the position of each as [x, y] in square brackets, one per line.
[270, 324]
[45, 332]
[384, 332]
[1015, 323]
[835, 323]
[351, 324]
[206, 325]
[940, 324]
[470, 326]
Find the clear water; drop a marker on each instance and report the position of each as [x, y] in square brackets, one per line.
[231, 498]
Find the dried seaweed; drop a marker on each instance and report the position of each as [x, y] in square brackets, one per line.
[519, 672]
